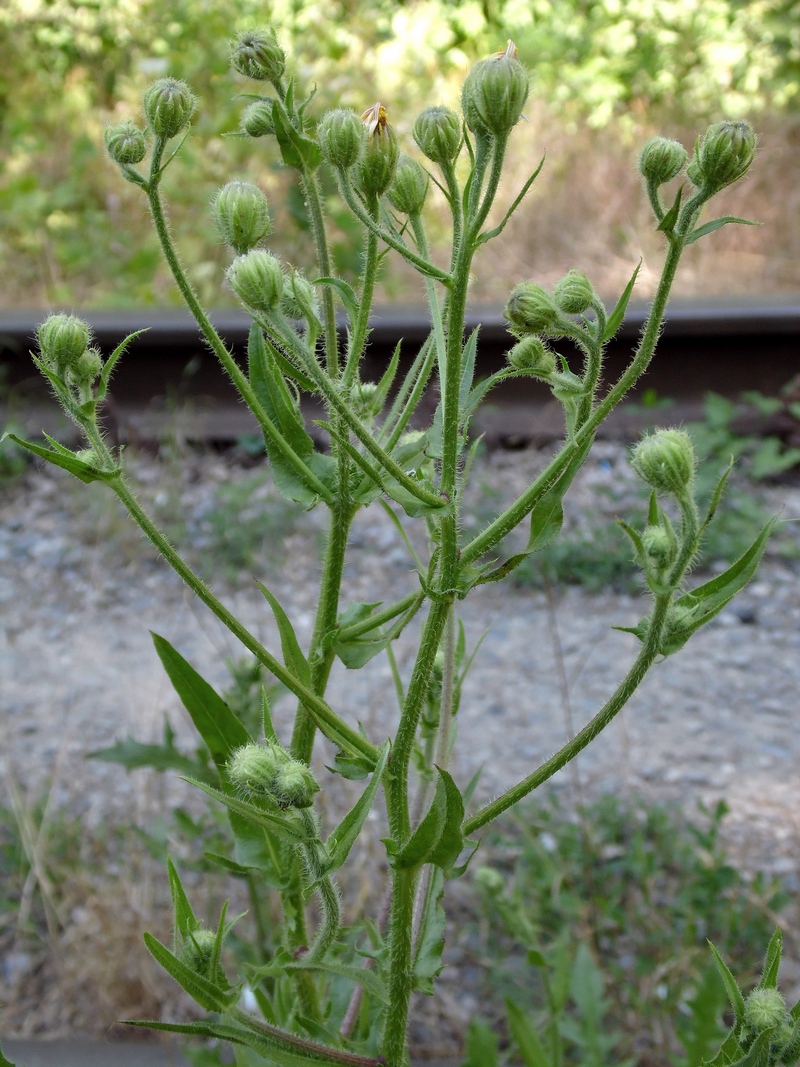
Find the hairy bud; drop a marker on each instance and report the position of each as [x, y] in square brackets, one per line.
[410, 186]
[341, 138]
[63, 339]
[530, 308]
[257, 54]
[665, 460]
[574, 294]
[661, 160]
[126, 144]
[494, 93]
[294, 785]
[531, 354]
[377, 165]
[168, 106]
[299, 299]
[722, 156]
[257, 119]
[197, 952]
[87, 369]
[763, 1009]
[241, 214]
[268, 770]
[257, 279]
[437, 131]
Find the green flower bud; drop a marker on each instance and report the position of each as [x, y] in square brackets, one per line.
[168, 106]
[532, 354]
[763, 1009]
[63, 339]
[86, 369]
[295, 785]
[437, 131]
[489, 879]
[530, 308]
[257, 279]
[410, 186]
[241, 213]
[126, 144]
[665, 460]
[364, 398]
[661, 160]
[494, 93]
[299, 299]
[574, 294]
[197, 952]
[257, 54]
[252, 768]
[723, 155]
[341, 138]
[257, 119]
[377, 165]
[658, 545]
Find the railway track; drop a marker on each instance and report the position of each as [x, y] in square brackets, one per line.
[170, 382]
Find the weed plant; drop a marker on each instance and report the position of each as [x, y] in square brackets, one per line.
[287, 1006]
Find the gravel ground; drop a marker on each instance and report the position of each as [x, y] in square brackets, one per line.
[80, 591]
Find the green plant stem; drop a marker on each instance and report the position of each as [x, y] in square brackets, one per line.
[359, 335]
[476, 219]
[395, 1048]
[378, 618]
[313, 200]
[324, 715]
[456, 209]
[330, 908]
[651, 649]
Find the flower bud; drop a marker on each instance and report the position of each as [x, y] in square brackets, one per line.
[494, 93]
[63, 339]
[658, 545]
[257, 279]
[410, 186]
[241, 213]
[661, 160]
[723, 155]
[257, 54]
[299, 299]
[530, 308]
[665, 460]
[437, 131]
[377, 165]
[257, 119]
[197, 951]
[489, 879]
[168, 106]
[126, 144]
[574, 294]
[87, 369]
[295, 785]
[763, 1009]
[532, 354]
[364, 398]
[252, 768]
[341, 138]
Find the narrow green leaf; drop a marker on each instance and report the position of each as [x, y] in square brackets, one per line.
[430, 943]
[346, 293]
[214, 720]
[716, 496]
[266, 718]
[617, 316]
[297, 150]
[422, 844]
[667, 224]
[344, 836]
[133, 754]
[451, 841]
[388, 376]
[481, 1045]
[769, 977]
[281, 824]
[715, 224]
[634, 537]
[731, 986]
[293, 656]
[367, 979]
[185, 921]
[525, 1037]
[489, 235]
[229, 865]
[111, 363]
[758, 1053]
[208, 995]
[68, 462]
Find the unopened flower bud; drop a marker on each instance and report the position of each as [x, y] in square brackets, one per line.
[489, 879]
[661, 160]
[241, 213]
[530, 308]
[341, 137]
[126, 144]
[574, 294]
[763, 1009]
[658, 545]
[257, 119]
[295, 785]
[257, 279]
[410, 186]
[494, 93]
[364, 399]
[63, 339]
[723, 155]
[168, 106]
[197, 952]
[377, 165]
[86, 369]
[665, 460]
[299, 299]
[437, 131]
[252, 768]
[257, 54]
[532, 354]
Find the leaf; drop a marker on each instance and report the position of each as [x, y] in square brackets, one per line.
[617, 316]
[481, 1045]
[64, 459]
[282, 824]
[667, 224]
[346, 293]
[367, 979]
[133, 754]
[388, 376]
[3, 1061]
[769, 978]
[207, 994]
[422, 844]
[451, 841]
[229, 865]
[354, 652]
[430, 942]
[297, 150]
[293, 656]
[716, 224]
[214, 720]
[525, 1037]
[489, 235]
[716, 496]
[731, 986]
[344, 836]
[111, 363]
[758, 1054]
[185, 921]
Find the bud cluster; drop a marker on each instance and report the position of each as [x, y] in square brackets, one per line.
[269, 771]
[65, 349]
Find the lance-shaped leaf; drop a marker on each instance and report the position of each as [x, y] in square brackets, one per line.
[617, 316]
[489, 235]
[111, 363]
[358, 647]
[421, 846]
[527, 1040]
[214, 720]
[667, 224]
[280, 823]
[731, 986]
[769, 976]
[297, 150]
[367, 979]
[206, 993]
[344, 836]
[65, 459]
[132, 754]
[715, 224]
[430, 942]
[293, 656]
[758, 1053]
[185, 921]
[451, 841]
